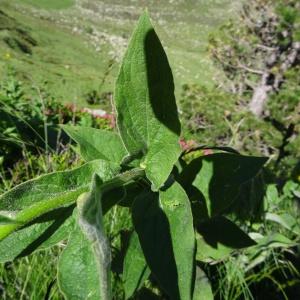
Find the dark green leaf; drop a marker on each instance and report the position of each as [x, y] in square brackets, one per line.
[97, 144]
[218, 178]
[115, 190]
[249, 204]
[145, 104]
[218, 237]
[136, 270]
[164, 224]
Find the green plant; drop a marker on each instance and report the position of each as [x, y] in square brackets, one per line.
[268, 269]
[259, 54]
[142, 168]
[29, 122]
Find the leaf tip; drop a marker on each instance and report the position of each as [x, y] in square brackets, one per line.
[145, 17]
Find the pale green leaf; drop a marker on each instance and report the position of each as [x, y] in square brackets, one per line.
[272, 196]
[84, 267]
[4, 220]
[146, 109]
[35, 197]
[274, 240]
[78, 276]
[286, 220]
[164, 224]
[202, 290]
[97, 144]
[135, 270]
[48, 230]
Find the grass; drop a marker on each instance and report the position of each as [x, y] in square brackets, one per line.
[53, 4]
[31, 277]
[79, 49]
[60, 60]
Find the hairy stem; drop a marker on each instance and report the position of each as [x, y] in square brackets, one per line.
[91, 224]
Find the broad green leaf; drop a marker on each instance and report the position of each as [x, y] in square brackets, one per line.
[218, 177]
[56, 225]
[218, 237]
[249, 204]
[48, 230]
[207, 253]
[146, 109]
[97, 144]
[84, 267]
[202, 289]
[164, 224]
[286, 220]
[135, 270]
[78, 277]
[35, 197]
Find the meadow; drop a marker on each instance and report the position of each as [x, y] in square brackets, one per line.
[78, 45]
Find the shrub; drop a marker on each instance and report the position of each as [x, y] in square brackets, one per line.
[176, 205]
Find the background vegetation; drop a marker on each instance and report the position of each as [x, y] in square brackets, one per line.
[59, 58]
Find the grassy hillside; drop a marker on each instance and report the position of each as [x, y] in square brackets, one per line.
[75, 47]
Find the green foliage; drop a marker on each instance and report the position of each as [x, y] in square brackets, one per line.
[260, 42]
[204, 112]
[270, 260]
[53, 4]
[148, 127]
[30, 277]
[29, 122]
[136, 270]
[90, 141]
[88, 243]
[203, 289]
[169, 199]
[214, 117]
